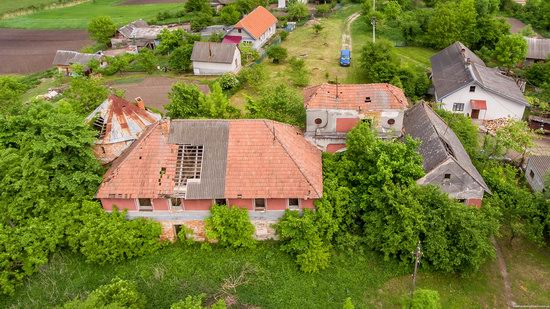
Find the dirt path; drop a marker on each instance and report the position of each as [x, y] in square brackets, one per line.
[346, 36]
[504, 273]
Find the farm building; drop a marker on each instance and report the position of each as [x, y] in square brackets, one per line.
[178, 169]
[140, 34]
[463, 84]
[334, 109]
[255, 28]
[445, 161]
[537, 50]
[65, 58]
[215, 58]
[118, 123]
[537, 168]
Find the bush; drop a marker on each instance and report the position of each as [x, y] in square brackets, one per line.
[102, 29]
[185, 236]
[283, 35]
[425, 299]
[277, 53]
[117, 294]
[248, 54]
[322, 9]
[228, 81]
[280, 103]
[255, 76]
[298, 72]
[297, 11]
[201, 21]
[180, 58]
[230, 226]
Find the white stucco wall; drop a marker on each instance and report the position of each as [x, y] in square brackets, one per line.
[329, 116]
[256, 43]
[497, 106]
[211, 68]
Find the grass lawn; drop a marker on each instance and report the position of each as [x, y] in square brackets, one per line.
[77, 17]
[272, 280]
[10, 5]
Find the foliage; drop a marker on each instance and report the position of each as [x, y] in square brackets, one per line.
[348, 304]
[414, 81]
[230, 14]
[229, 81]
[201, 21]
[510, 50]
[425, 299]
[464, 128]
[190, 302]
[317, 28]
[216, 105]
[528, 31]
[230, 226]
[180, 58]
[300, 237]
[322, 9]
[198, 6]
[452, 21]
[297, 11]
[11, 90]
[536, 13]
[277, 53]
[248, 54]
[379, 61]
[185, 235]
[298, 73]
[515, 135]
[283, 35]
[254, 76]
[392, 9]
[279, 103]
[170, 40]
[102, 29]
[85, 93]
[539, 73]
[184, 101]
[118, 293]
[147, 60]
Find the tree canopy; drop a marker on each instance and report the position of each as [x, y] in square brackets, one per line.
[102, 29]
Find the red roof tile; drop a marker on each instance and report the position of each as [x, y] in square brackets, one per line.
[351, 96]
[479, 104]
[257, 22]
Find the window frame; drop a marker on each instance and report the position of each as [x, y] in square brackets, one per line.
[265, 204]
[298, 205]
[144, 207]
[176, 208]
[473, 88]
[458, 107]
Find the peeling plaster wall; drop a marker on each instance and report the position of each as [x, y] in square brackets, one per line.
[263, 229]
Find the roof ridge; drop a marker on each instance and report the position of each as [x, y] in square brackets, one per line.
[290, 155]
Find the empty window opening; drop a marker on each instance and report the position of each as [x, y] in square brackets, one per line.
[391, 121]
[220, 201]
[532, 174]
[176, 203]
[472, 88]
[367, 121]
[293, 204]
[458, 107]
[447, 176]
[100, 125]
[367, 100]
[112, 195]
[463, 201]
[145, 204]
[177, 230]
[318, 120]
[188, 164]
[259, 204]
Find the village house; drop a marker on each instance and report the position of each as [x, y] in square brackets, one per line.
[65, 58]
[178, 169]
[211, 58]
[332, 110]
[537, 50]
[537, 168]
[463, 84]
[445, 161]
[140, 34]
[118, 123]
[255, 28]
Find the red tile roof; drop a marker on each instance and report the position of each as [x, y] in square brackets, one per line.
[353, 96]
[257, 22]
[479, 104]
[265, 159]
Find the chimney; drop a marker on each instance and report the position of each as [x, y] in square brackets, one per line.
[140, 103]
[463, 52]
[468, 61]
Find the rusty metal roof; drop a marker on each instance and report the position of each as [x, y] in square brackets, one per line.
[67, 57]
[119, 120]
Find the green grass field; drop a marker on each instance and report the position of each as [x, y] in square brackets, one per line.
[8, 6]
[77, 17]
[272, 280]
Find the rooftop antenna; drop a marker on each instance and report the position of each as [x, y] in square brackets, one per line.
[337, 87]
[373, 22]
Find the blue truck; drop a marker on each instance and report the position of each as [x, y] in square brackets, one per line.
[345, 57]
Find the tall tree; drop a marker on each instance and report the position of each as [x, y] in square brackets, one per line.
[510, 51]
[184, 101]
[230, 15]
[280, 103]
[102, 29]
[216, 105]
[86, 93]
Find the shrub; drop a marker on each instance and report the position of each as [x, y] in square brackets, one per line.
[230, 226]
[298, 72]
[185, 235]
[283, 35]
[254, 76]
[180, 59]
[323, 9]
[280, 103]
[201, 21]
[348, 304]
[297, 11]
[102, 29]
[248, 54]
[117, 294]
[228, 81]
[277, 53]
[425, 299]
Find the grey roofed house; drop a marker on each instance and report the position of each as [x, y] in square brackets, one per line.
[535, 171]
[210, 30]
[66, 58]
[538, 49]
[129, 28]
[456, 66]
[213, 52]
[443, 153]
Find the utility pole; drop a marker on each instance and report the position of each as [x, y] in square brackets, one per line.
[373, 22]
[417, 254]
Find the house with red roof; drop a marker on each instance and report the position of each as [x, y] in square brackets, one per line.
[255, 28]
[334, 109]
[178, 169]
[118, 123]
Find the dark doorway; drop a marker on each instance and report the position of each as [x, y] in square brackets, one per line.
[475, 113]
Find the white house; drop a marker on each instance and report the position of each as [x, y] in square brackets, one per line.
[215, 58]
[463, 84]
[255, 28]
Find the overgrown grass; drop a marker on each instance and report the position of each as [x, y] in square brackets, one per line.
[272, 280]
[77, 17]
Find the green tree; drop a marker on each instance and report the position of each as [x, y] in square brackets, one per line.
[102, 29]
[392, 10]
[248, 54]
[298, 73]
[348, 304]
[297, 11]
[425, 299]
[317, 28]
[117, 294]
[201, 21]
[86, 93]
[322, 9]
[510, 51]
[379, 61]
[184, 101]
[464, 128]
[216, 105]
[11, 90]
[147, 60]
[196, 6]
[230, 226]
[277, 53]
[230, 15]
[279, 103]
[180, 58]
[452, 21]
[170, 40]
[515, 135]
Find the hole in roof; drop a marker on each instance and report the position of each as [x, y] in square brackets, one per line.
[367, 100]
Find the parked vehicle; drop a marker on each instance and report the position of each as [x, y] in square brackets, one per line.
[345, 57]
